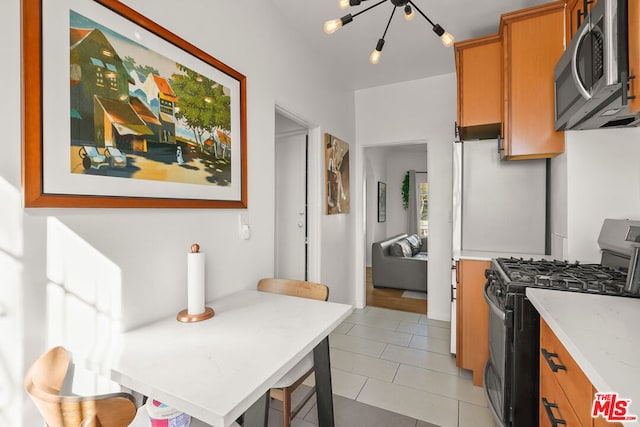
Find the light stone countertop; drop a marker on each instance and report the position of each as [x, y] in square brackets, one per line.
[488, 256]
[602, 334]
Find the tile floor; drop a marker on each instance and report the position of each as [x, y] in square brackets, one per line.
[400, 362]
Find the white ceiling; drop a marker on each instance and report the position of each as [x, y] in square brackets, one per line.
[411, 51]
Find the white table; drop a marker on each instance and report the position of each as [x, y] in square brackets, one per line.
[220, 368]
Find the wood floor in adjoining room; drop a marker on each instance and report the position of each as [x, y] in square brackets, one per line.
[392, 298]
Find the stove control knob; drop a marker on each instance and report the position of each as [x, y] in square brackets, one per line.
[489, 274]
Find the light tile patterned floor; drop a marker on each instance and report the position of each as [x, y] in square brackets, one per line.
[401, 362]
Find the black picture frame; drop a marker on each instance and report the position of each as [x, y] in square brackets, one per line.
[382, 201]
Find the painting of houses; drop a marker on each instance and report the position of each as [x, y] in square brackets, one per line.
[162, 100]
[96, 70]
[171, 123]
[117, 124]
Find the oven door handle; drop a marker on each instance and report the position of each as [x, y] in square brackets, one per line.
[492, 306]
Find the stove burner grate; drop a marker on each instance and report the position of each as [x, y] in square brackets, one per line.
[592, 278]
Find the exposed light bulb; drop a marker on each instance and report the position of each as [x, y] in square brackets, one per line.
[377, 52]
[409, 14]
[344, 4]
[375, 56]
[332, 26]
[447, 39]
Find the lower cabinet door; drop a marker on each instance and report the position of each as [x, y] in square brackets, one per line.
[555, 409]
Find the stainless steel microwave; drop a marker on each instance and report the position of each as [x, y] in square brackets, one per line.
[591, 78]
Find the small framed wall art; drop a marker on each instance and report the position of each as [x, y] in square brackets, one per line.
[337, 175]
[382, 201]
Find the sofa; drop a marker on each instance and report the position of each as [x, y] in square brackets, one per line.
[400, 262]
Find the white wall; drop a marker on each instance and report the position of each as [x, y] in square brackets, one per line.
[416, 111]
[148, 246]
[603, 181]
[376, 170]
[503, 202]
[398, 163]
[558, 206]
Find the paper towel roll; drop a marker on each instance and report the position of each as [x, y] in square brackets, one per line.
[195, 283]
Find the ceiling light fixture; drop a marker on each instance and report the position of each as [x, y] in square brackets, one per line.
[333, 25]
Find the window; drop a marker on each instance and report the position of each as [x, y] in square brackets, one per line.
[166, 106]
[424, 209]
[112, 76]
[99, 71]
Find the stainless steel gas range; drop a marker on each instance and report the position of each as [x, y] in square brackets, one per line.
[511, 375]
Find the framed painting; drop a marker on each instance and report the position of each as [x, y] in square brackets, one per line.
[119, 112]
[337, 175]
[382, 201]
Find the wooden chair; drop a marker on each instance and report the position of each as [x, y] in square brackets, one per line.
[295, 377]
[43, 382]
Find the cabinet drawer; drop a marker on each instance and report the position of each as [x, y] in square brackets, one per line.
[601, 422]
[569, 376]
[553, 402]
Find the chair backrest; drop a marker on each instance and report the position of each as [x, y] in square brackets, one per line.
[296, 288]
[43, 382]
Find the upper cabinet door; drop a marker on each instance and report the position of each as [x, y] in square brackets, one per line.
[533, 41]
[575, 15]
[634, 54]
[479, 71]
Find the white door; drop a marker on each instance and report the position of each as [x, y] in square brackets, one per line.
[290, 251]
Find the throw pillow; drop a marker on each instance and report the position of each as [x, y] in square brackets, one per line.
[415, 242]
[401, 248]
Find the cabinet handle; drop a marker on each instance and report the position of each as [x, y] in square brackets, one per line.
[551, 363]
[457, 268]
[579, 15]
[624, 79]
[583, 13]
[552, 419]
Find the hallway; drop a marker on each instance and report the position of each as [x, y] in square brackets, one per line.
[392, 298]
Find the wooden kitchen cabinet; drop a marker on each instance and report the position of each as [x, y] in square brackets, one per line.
[533, 41]
[479, 72]
[565, 390]
[472, 317]
[529, 44]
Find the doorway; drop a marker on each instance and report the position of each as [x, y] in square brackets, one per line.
[291, 199]
[388, 164]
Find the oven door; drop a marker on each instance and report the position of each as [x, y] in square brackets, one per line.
[497, 372]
